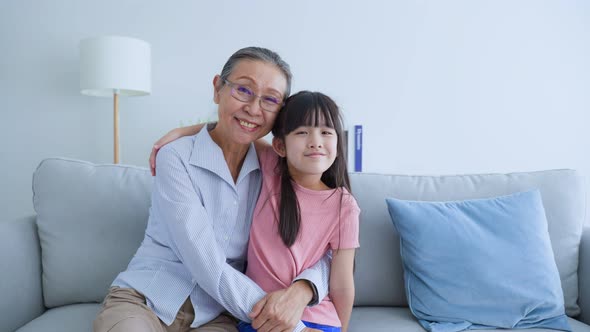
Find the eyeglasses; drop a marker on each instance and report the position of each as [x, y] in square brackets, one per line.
[244, 94]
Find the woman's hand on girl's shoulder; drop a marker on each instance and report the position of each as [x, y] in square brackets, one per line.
[155, 150]
[171, 136]
[261, 145]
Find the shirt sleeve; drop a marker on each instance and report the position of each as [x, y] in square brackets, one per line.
[192, 239]
[346, 235]
[319, 274]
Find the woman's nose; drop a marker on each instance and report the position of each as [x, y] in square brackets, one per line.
[253, 107]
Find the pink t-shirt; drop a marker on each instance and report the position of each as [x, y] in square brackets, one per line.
[327, 222]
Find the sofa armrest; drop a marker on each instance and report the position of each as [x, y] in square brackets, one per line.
[21, 297]
[584, 277]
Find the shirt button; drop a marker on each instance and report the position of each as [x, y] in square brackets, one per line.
[226, 238]
[235, 202]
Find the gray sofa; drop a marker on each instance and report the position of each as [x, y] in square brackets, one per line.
[57, 266]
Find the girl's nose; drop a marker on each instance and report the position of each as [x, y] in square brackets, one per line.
[315, 143]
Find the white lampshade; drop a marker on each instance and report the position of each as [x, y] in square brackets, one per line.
[112, 64]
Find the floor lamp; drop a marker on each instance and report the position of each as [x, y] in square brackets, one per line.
[113, 66]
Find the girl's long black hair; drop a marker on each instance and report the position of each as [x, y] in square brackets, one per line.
[313, 109]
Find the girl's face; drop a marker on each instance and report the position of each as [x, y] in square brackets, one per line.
[309, 151]
[245, 122]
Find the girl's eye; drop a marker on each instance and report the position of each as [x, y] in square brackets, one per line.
[301, 132]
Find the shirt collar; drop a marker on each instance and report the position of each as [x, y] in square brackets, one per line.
[208, 155]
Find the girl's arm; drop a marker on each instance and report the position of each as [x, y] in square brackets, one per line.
[342, 284]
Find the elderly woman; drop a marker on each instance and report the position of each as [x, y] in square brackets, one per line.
[187, 275]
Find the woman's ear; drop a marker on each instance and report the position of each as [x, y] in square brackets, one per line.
[217, 84]
[279, 146]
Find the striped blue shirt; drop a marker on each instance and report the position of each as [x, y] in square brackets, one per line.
[196, 239]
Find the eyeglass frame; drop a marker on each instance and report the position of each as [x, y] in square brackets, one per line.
[233, 86]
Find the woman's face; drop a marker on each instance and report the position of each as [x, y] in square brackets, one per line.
[244, 122]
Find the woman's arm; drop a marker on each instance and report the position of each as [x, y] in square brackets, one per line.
[192, 238]
[172, 135]
[177, 133]
[342, 284]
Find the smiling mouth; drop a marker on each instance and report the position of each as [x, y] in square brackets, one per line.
[248, 124]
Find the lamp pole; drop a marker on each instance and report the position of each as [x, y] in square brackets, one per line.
[116, 124]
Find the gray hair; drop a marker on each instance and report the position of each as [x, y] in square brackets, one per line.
[258, 54]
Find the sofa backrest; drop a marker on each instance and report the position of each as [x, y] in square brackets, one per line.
[379, 274]
[92, 218]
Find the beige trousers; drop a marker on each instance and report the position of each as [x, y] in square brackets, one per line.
[125, 310]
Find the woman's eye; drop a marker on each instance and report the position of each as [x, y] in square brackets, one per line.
[245, 90]
[271, 100]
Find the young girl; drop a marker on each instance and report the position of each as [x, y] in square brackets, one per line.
[305, 208]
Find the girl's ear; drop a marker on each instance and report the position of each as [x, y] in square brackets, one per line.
[279, 146]
[217, 84]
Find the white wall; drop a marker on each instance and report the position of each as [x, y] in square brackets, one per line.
[440, 86]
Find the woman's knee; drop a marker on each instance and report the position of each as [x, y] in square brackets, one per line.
[128, 324]
[123, 310]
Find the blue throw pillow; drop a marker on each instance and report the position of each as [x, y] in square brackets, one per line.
[479, 264]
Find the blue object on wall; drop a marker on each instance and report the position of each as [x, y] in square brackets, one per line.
[358, 148]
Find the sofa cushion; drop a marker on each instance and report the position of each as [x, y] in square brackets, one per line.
[91, 220]
[383, 319]
[379, 278]
[20, 281]
[70, 318]
[464, 259]
[387, 319]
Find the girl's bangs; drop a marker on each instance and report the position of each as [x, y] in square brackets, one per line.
[312, 111]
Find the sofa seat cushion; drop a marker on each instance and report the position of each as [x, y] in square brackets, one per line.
[400, 319]
[69, 318]
[79, 318]
[386, 319]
